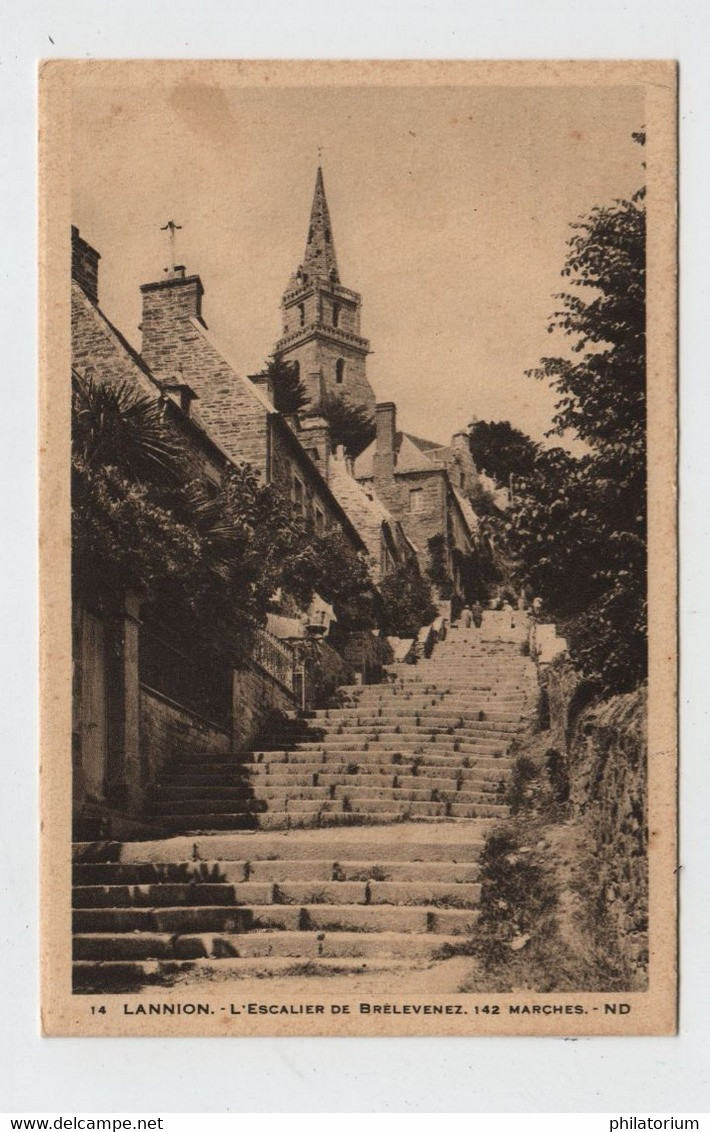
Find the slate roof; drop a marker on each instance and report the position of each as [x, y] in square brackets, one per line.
[413, 455]
[365, 511]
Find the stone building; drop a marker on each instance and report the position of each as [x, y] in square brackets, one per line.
[179, 349]
[421, 486]
[321, 319]
[140, 690]
[424, 486]
[387, 542]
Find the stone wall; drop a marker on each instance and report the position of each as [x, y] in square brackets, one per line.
[289, 463]
[605, 746]
[174, 341]
[423, 524]
[256, 697]
[166, 730]
[608, 780]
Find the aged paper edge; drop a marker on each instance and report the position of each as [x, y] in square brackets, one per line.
[63, 1014]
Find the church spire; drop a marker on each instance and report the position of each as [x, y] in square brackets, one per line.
[319, 260]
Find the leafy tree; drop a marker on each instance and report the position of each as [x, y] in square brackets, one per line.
[113, 424]
[290, 394]
[579, 524]
[140, 520]
[331, 567]
[350, 425]
[500, 450]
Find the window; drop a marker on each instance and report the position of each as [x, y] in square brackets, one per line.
[336, 314]
[297, 497]
[416, 499]
[320, 521]
[339, 371]
[462, 480]
[302, 313]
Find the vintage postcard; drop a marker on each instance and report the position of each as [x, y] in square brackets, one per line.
[358, 489]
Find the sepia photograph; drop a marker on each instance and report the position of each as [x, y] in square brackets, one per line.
[358, 489]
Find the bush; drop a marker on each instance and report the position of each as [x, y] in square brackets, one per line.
[525, 771]
[516, 894]
[407, 601]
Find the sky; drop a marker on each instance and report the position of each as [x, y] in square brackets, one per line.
[450, 207]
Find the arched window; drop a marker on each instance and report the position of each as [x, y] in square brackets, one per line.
[336, 314]
[296, 370]
[302, 313]
[339, 371]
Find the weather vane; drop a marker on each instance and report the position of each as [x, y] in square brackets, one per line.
[171, 228]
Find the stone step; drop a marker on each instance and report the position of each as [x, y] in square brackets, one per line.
[170, 790]
[388, 740]
[361, 800]
[365, 790]
[190, 805]
[208, 822]
[428, 716]
[341, 744]
[377, 757]
[406, 844]
[277, 917]
[201, 823]
[336, 771]
[235, 872]
[469, 685]
[109, 946]
[127, 977]
[289, 775]
[465, 687]
[405, 722]
[286, 797]
[442, 710]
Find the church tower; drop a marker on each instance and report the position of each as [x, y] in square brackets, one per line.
[321, 319]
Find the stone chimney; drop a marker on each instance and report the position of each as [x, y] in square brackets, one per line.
[459, 441]
[85, 266]
[167, 305]
[315, 438]
[347, 461]
[386, 427]
[461, 447]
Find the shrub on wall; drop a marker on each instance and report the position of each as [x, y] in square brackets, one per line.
[407, 601]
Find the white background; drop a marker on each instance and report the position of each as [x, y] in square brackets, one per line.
[346, 1075]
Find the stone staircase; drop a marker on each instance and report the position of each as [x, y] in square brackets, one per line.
[429, 751]
[430, 743]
